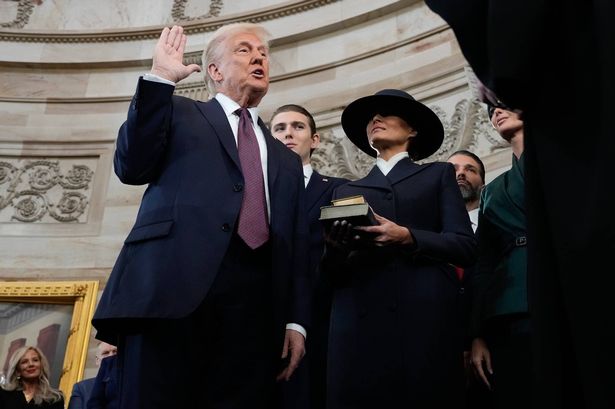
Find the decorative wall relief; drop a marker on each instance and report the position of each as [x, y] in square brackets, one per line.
[193, 90]
[22, 12]
[337, 156]
[179, 9]
[36, 190]
[468, 128]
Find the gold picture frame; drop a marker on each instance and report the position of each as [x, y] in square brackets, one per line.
[82, 296]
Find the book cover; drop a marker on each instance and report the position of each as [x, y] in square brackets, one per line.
[355, 210]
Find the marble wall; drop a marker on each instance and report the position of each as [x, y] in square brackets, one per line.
[68, 69]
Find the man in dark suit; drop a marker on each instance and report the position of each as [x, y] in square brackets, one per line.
[554, 60]
[470, 175]
[82, 390]
[296, 128]
[211, 286]
[105, 393]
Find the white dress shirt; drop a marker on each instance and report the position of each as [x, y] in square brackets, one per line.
[474, 218]
[307, 173]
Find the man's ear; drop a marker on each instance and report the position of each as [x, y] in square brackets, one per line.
[315, 141]
[214, 72]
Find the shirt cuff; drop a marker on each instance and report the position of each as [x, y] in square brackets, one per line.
[155, 78]
[298, 328]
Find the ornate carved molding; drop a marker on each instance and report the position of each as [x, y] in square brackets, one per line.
[335, 157]
[193, 90]
[197, 89]
[39, 189]
[22, 15]
[179, 8]
[44, 289]
[191, 27]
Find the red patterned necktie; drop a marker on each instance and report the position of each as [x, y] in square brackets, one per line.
[253, 224]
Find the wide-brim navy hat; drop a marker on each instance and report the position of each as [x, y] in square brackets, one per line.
[430, 132]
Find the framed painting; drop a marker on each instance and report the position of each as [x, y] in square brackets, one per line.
[53, 316]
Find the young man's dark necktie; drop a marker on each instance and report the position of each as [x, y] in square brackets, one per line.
[253, 224]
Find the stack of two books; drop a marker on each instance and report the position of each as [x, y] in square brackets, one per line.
[354, 209]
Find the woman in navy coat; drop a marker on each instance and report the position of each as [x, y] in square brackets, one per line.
[395, 337]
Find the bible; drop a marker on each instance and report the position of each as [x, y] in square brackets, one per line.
[354, 209]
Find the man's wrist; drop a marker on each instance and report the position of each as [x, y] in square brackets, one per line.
[157, 78]
[298, 328]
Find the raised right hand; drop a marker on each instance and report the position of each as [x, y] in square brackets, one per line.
[169, 54]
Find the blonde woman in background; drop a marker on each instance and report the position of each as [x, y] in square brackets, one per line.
[27, 382]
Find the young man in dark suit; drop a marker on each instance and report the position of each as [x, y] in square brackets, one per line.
[210, 290]
[296, 128]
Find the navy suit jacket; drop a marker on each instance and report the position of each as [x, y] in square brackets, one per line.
[319, 191]
[105, 392]
[81, 393]
[185, 150]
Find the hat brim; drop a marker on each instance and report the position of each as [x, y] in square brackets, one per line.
[430, 132]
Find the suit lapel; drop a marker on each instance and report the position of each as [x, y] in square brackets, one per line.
[404, 169]
[316, 187]
[374, 179]
[214, 114]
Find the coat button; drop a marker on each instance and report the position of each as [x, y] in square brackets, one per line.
[462, 290]
[226, 227]
[237, 187]
[389, 196]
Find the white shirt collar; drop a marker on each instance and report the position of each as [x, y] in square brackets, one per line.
[229, 106]
[307, 173]
[474, 218]
[385, 166]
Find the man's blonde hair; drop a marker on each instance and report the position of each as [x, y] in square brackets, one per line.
[214, 50]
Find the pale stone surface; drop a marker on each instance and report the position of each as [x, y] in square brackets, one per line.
[92, 14]
[66, 100]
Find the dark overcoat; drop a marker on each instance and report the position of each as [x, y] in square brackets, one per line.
[395, 340]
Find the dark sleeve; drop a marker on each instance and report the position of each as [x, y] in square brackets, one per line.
[488, 250]
[76, 399]
[104, 391]
[302, 288]
[142, 139]
[455, 243]
[333, 260]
